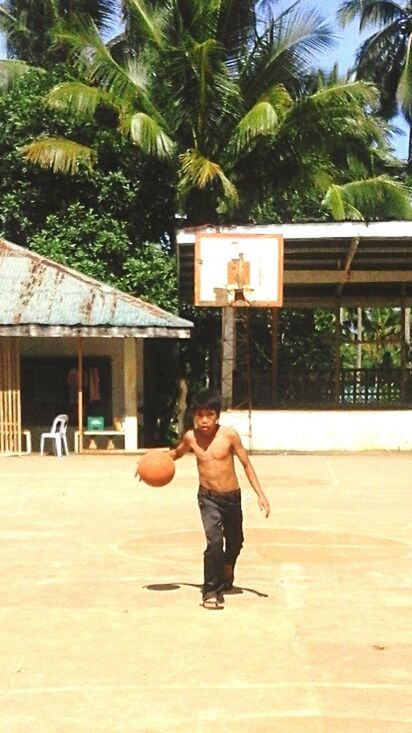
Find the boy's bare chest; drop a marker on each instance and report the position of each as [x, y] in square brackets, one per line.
[216, 448]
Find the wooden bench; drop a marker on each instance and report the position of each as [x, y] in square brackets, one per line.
[96, 434]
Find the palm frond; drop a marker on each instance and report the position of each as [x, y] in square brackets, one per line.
[101, 69]
[145, 21]
[262, 119]
[340, 209]
[197, 171]
[369, 199]
[58, 154]
[336, 113]
[283, 52]
[360, 93]
[370, 12]
[198, 94]
[147, 134]
[404, 91]
[76, 97]
[11, 71]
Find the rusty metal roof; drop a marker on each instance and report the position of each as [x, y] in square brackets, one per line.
[40, 297]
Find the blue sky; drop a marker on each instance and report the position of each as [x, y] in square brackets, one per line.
[348, 41]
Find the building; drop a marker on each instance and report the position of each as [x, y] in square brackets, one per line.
[70, 344]
[335, 266]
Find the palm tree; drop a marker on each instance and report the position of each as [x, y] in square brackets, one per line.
[385, 57]
[27, 25]
[226, 102]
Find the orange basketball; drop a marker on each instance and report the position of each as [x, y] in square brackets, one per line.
[156, 468]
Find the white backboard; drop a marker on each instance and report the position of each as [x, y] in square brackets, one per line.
[238, 269]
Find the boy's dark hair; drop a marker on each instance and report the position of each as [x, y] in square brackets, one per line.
[207, 400]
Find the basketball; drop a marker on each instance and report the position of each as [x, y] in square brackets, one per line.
[156, 468]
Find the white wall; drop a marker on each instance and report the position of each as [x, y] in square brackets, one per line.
[331, 430]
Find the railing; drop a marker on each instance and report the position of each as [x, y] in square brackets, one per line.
[294, 388]
[375, 386]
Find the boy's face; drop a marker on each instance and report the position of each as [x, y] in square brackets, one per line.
[206, 420]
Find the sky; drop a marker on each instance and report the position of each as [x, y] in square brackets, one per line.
[348, 41]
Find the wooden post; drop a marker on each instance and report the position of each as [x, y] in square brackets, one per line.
[18, 388]
[275, 313]
[10, 410]
[359, 337]
[130, 394]
[338, 336]
[405, 337]
[80, 391]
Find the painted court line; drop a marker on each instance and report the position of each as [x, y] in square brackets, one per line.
[238, 686]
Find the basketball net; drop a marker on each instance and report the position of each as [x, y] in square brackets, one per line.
[238, 282]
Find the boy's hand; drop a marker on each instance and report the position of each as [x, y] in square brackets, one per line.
[264, 505]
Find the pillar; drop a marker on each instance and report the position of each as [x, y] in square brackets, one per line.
[130, 394]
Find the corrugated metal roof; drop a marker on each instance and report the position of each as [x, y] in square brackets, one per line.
[39, 296]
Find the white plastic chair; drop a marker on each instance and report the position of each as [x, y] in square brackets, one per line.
[58, 434]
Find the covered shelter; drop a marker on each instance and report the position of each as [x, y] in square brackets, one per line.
[70, 344]
[335, 266]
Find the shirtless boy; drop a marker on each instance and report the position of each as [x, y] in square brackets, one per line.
[219, 494]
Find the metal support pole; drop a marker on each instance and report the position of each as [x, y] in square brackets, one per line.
[228, 355]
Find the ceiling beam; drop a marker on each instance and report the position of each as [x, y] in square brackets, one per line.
[322, 277]
[379, 301]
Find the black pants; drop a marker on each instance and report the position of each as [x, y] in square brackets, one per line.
[222, 519]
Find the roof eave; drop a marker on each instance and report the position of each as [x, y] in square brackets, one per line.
[32, 329]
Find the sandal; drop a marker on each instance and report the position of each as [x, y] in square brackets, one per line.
[213, 604]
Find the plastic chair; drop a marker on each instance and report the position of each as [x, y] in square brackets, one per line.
[58, 434]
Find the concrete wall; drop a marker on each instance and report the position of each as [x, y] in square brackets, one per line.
[332, 430]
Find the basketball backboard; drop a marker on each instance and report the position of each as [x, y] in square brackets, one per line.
[237, 268]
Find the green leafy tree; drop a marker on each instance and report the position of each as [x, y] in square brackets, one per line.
[27, 25]
[385, 56]
[229, 111]
[106, 254]
[129, 187]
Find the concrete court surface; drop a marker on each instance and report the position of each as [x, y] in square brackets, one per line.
[101, 630]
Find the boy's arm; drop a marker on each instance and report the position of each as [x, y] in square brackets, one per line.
[241, 453]
[181, 449]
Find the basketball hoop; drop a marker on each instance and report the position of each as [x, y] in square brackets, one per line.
[238, 297]
[237, 268]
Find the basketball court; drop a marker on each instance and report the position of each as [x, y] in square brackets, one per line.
[101, 626]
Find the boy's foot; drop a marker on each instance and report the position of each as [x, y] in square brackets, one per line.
[216, 603]
[231, 590]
